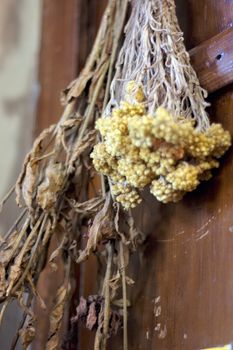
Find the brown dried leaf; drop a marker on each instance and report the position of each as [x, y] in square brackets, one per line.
[116, 282]
[90, 312]
[101, 229]
[56, 253]
[56, 318]
[70, 123]
[66, 129]
[89, 207]
[52, 186]
[81, 310]
[92, 316]
[80, 147]
[15, 272]
[7, 247]
[27, 334]
[77, 86]
[3, 282]
[17, 267]
[27, 180]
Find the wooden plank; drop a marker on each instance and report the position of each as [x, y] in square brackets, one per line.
[58, 57]
[60, 45]
[185, 264]
[213, 61]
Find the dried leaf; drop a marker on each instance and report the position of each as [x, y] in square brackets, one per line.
[27, 334]
[7, 247]
[66, 129]
[77, 86]
[116, 282]
[92, 316]
[90, 312]
[80, 147]
[56, 253]
[14, 275]
[89, 207]
[16, 269]
[81, 310]
[101, 229]
[56, 318]
[52, 186]
[27, 180]
[3, 282]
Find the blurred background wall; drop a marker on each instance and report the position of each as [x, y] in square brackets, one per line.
[20, 28]
[20, 23]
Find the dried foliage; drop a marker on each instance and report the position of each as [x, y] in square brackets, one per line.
[53, 187]
[154, 55]
[90, 312]
[52, 190]
[56, 318]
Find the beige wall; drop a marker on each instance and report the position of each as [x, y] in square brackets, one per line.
[20, 22]
[19, 43]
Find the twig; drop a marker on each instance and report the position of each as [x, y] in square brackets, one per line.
[32, 254]
[24, 249]
[124, 293]
[119, 25]
[15, 223]
[19, 239]
[3, 309]
[9, 193]
[107, 296]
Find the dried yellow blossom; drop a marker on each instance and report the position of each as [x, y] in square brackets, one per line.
[167, 153]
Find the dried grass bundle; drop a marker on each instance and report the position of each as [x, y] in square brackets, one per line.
[154, 57]
[53, 186]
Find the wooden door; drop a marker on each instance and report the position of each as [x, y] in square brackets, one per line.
[183, 296]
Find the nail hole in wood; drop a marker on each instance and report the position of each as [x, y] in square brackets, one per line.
[219, 56]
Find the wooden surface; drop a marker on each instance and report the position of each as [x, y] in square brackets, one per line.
[60, 45]
[183, 297]
[58, 57]
[213, 61]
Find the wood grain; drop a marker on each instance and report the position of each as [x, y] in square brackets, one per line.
[58, 57]
[58, 66]
[213, 61]
[186, 262]
[183, 297]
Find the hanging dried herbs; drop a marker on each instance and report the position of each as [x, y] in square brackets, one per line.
[154, 131]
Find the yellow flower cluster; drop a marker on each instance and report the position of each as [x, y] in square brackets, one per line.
[171, 156]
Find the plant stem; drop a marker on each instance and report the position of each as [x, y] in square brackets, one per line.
[107, 296]
[124, 294]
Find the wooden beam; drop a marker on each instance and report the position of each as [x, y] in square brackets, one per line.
[60, 46]
[213, 61]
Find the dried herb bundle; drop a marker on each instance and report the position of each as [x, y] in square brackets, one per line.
[154, 57]
[53, 186]
[52, 190]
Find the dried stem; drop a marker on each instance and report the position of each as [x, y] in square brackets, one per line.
[19, 238]
[3, 309]
[124, 293]
[17, 221]
[33, 253]
[106, 294]
[6, 197]
[154, 56]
